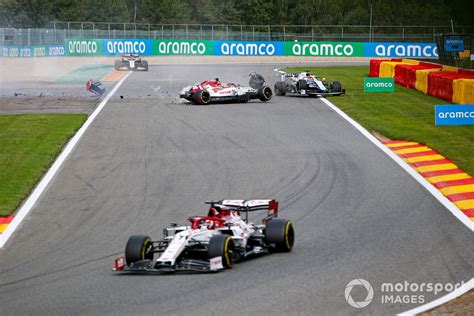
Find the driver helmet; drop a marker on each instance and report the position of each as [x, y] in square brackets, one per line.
[209, 224]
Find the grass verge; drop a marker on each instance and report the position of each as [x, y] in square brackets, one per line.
[28, 145]
[405, 114]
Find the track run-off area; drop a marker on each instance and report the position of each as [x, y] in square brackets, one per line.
[148, 159]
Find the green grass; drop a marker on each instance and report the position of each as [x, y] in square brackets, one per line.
[28, 145]
[405, 114]
[85, 73]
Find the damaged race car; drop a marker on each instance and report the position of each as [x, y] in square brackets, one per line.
[131, 62]
[214, 91]
[307, 84]
[210, 243]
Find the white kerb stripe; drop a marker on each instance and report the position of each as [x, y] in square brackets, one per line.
[448, 297]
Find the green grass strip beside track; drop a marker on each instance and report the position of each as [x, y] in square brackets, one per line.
[405, 114]
[29, 143]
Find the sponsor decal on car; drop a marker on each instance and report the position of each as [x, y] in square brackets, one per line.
[235, 48]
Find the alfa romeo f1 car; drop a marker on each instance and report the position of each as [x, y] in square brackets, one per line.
[307, 84]
[214, 91]
[212, 242]
[131, 62]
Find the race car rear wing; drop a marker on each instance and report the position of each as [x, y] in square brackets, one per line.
[250, 206]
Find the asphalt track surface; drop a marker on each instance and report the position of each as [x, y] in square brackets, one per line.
[148, 160]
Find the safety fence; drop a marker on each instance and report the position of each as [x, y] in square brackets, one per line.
[56, 32]
[115, 47]
[445, 82]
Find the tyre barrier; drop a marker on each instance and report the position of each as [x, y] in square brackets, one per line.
[445, 82]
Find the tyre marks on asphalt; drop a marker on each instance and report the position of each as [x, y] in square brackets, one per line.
[451, 181]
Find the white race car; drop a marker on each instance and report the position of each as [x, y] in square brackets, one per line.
[306, 83]
[214, 91]
[131, 62]
[211, 243]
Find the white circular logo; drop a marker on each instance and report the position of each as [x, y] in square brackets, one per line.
[366, 301]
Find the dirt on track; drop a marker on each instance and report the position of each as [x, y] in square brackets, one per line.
[49, 68]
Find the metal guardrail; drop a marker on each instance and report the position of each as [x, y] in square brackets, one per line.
[57, 31]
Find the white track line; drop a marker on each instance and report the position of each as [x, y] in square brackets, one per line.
[448, 297]
[428, 186]
[40, 188]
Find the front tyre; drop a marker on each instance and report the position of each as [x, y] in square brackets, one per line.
[281, 233]
[144, 64]
[138, 247]
[222, 246]
[264, 93]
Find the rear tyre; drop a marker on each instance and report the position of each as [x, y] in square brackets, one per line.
[202, 97]
[138, 247]
[264, 93]
[145, 65]
[336, 86]
[302, 85]
[281, 233]
[280, 89]
[222, 246]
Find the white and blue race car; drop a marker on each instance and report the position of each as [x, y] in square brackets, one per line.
[305, 83]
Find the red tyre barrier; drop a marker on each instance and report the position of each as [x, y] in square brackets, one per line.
[375, 67]
[406, 74]
[440, 84]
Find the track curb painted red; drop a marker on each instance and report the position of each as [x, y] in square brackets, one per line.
[442, 173]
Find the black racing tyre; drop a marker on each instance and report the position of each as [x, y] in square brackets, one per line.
[302, 85]
[264, 93]
[222, 246]
[118, 64]
[138, 247]
[244, 98]
[336, 86]
[281, 233]
[202, 97]
[145, 65]
[280, 88]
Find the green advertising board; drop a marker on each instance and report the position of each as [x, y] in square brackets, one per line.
[379, 84]
[182, 47]
[333, 49]
[83, 47]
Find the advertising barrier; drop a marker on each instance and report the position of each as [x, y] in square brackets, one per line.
[421, 50]
[83, 47]
[32, 51]
[182, 47]
[165, 47]
[333, 49]
[454, 114]
[379, 84]
[235, 48]
[118, 47]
